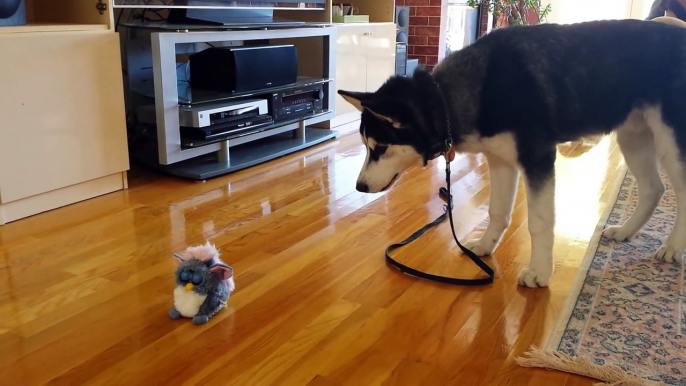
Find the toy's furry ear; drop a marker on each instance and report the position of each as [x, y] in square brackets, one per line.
[222, 270]
[178, 258]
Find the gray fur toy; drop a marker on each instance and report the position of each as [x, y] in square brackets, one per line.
[203, 284]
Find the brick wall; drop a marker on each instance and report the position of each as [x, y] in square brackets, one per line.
[427, 25]
[484, 20]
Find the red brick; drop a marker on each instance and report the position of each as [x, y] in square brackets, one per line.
[418, 20]
[428, 11]
[410, 50]
[399, 2]
[425, 50]
[426, 31]
[435, 21]
[417, 2]
[411, 31]
[431, 60]
[413, 11]
[422, 59]
[436, 3]
[432, 41]
[418, 40]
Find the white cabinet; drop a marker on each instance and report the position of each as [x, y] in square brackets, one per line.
[366, 59]
[63, 130]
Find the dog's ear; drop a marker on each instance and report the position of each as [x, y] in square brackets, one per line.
[356, 98]
[365, 101]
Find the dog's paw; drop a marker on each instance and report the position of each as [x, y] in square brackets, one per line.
[480, 247]
[618, 233]
[534, 277]
[669, 252]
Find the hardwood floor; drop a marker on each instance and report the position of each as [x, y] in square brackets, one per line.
[85, 290]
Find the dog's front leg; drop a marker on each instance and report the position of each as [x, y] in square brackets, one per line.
[503, 182]
[540, 191]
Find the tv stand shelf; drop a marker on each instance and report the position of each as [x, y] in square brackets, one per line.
[245, 155]
[201, 160]
[258, 133]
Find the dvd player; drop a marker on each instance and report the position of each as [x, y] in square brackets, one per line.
[213, 114]
[228, 129]
[210, 114]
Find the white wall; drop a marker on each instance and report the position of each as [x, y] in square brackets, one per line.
[575, 11]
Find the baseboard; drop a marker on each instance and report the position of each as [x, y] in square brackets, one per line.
[16, 210]
[344, 119]
[348, 128]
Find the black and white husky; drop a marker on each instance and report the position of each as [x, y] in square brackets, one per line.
[517, 93]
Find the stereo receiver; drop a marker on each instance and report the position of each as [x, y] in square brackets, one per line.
[297, 102]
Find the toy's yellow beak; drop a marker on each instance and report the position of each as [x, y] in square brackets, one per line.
[189, 286]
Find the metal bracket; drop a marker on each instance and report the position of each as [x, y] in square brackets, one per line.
[101, 7]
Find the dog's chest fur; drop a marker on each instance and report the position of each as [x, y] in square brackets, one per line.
[502, 145]
[187, 302]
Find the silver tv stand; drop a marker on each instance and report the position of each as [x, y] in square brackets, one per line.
[215, 159]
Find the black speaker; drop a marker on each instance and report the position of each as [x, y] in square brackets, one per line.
[12, 12]
[241, 69]
[402, 24]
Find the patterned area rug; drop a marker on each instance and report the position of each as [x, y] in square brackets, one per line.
[627, 324]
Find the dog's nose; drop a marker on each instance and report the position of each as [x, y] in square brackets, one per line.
[361, 187]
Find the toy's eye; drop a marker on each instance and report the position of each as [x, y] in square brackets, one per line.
[185, 275]
[197, 278]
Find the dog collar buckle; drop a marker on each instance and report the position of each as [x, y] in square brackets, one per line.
[449, 152]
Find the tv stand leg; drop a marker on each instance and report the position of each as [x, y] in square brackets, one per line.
[223, 153]
[300, 131]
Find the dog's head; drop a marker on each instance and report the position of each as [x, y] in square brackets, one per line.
[400, 126]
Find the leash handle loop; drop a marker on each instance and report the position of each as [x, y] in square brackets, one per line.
[447, 214]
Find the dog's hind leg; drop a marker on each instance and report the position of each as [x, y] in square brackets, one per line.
[503, 183]
[638, 147]
[670, 156]
[539, 170]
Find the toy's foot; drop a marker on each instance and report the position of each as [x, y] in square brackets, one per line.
[174, 314]
[200, 319]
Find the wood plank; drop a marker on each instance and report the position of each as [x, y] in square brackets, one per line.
[85, 289]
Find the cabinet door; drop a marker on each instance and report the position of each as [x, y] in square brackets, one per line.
[351, 64]
[380, 44]
[63, 117]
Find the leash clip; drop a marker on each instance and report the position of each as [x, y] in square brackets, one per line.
[448, 153]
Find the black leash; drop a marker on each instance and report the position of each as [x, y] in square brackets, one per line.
[447, 213]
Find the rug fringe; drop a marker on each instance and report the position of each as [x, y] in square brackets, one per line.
[611, 375]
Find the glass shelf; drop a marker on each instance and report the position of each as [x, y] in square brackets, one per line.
[189, 96]
[224, 4]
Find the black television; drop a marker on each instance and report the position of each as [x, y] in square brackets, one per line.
[224, 12]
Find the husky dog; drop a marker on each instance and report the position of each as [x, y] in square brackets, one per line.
[518, 92]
